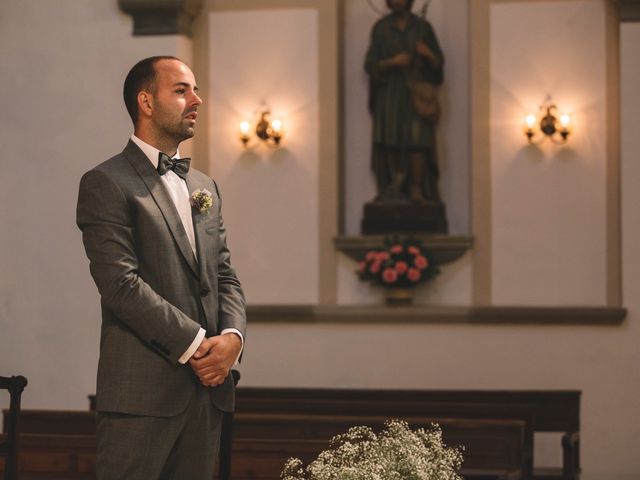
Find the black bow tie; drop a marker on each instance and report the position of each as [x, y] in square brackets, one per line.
[180, 166]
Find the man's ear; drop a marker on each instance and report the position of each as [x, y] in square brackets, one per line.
[145, 103]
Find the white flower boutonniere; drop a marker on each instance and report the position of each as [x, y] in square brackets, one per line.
[201, 200]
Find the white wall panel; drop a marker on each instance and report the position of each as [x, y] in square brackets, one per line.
[270, 197]
[548, 201]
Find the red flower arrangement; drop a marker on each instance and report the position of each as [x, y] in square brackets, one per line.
[400, 265]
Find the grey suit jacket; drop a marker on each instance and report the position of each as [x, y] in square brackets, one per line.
[155, 295]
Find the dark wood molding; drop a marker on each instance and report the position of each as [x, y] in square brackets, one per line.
[629, 10]
[161, 17]
[443, 248]
[309, 314]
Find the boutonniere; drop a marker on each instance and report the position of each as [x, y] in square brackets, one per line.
[201, 200]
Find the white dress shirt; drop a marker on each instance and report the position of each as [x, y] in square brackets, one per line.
[177, 189]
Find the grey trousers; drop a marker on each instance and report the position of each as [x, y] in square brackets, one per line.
[184, 447]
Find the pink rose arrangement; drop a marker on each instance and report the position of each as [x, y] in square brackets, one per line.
[401, 265]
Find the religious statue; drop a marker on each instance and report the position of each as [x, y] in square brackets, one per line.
[405, 66]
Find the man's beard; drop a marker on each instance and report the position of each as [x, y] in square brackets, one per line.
[177, 131]
[174, 128]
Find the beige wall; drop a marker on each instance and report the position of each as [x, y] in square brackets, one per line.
[548, 202]
[282, 53]
[62, 115]
[270, 195]
[626, 369]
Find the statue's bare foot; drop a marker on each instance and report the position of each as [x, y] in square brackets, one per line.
[416, 196]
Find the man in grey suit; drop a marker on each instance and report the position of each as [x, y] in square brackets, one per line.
[173, 311]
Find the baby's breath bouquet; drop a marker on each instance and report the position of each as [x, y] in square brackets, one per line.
[397, 453]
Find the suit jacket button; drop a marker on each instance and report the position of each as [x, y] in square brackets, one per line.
[204, 292]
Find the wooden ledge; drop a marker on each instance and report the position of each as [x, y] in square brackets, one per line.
[629, 10]
[443, 248]
[437, 315]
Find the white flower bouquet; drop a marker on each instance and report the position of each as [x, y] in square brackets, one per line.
[397, 453]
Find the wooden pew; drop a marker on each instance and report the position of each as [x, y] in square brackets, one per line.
[543, 410]
[262, 442]
[551, 410]
[57, 445]
[62, 444]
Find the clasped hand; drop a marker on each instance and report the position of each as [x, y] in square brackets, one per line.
[215, 357]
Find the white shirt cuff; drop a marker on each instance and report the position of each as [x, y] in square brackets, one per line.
[193, 347]
[237, 332]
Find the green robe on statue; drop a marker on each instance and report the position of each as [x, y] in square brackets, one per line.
[397, 126]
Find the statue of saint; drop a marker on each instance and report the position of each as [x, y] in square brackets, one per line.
[405, 65]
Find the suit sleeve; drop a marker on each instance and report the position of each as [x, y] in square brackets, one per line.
[103, 216]
[231, 301]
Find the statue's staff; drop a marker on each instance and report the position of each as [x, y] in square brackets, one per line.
[423, 93]
[423, 16]
[423, 9]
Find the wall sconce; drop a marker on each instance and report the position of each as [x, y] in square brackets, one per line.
[266, 129]
[549, 124]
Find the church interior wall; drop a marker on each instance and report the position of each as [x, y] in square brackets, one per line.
[548, 210]
[270, 196]
[62, 115]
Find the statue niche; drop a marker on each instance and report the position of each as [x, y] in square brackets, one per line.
[404, 63]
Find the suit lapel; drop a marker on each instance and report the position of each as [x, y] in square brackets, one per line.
[199, 227]
[150, 177]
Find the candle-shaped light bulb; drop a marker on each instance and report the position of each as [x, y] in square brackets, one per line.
[530, 120]
[276, 126]
[565, 120]
[245, 127]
